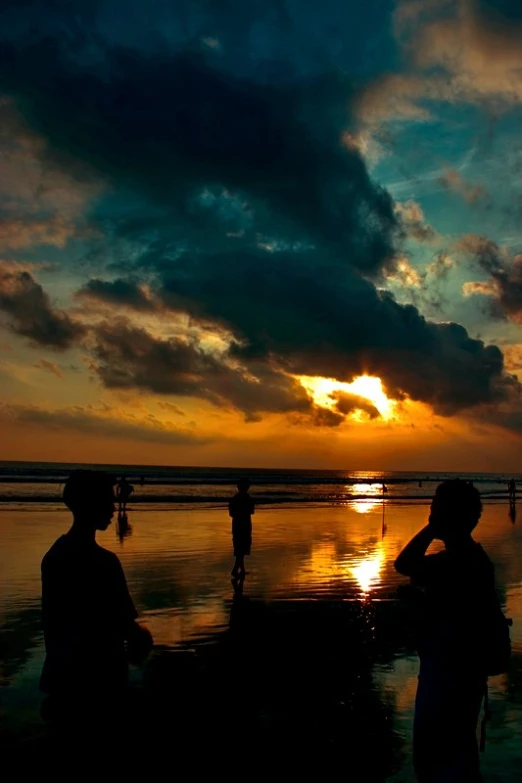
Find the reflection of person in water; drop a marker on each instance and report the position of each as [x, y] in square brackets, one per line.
[123, 492]
[123, 527]
[459, 593]
[240, 508]
[89, 619]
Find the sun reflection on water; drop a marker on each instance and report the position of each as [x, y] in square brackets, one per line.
[363, 505]
[367, 570]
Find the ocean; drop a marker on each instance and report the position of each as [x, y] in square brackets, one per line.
[312, 659]
[185, 487]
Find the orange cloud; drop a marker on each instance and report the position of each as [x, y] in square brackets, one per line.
[454, 51]
[405, 274]
[45, 364]
[18, 234]
[453, 180]
[42, 203]
[412, 217]
[482, 287]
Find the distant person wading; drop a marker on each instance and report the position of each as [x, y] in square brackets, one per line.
[241, 508]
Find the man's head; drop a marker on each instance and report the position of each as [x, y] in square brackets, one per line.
[455, 509]
[89, 494]
[243, 485]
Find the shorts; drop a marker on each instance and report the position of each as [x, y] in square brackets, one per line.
[447, 710]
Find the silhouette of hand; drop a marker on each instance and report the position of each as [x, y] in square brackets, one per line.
[435, 526]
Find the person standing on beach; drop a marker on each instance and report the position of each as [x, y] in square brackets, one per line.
[123, 493]
[89, 619]
[460, 622]
[241, 508]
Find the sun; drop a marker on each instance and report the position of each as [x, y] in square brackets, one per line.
[368, 387]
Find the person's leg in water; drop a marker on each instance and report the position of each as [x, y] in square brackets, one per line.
[239, 565]
[447, 710]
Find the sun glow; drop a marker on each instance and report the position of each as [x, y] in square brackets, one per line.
[324, 392]
[363, 505]
[367, 570]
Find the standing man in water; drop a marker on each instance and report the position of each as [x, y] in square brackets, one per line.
[89, 619]
[123, 492]
[240, 508]
[460, 618]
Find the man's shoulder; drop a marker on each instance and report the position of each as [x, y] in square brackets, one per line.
[56, 551]
[65, 549]
[106, 557]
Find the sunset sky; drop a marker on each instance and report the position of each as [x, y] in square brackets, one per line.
[268, 233]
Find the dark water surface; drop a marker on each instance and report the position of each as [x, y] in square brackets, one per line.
[314, 658]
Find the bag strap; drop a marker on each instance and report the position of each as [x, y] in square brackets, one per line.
[487, 716]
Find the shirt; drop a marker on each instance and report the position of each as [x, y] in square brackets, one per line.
[459, 595]
[87, 611]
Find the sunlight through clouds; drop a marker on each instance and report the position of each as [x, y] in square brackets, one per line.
[324, 391]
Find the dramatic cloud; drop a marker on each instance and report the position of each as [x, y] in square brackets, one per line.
[239, 200]
[412, 218]
[170, 126]
[41, 203]
[128, 357]
[482, 287]
[454, 50]
[119, 292]
[334, 324]
[31, 314]
[405, 274]
[349, 403]
[505, 285]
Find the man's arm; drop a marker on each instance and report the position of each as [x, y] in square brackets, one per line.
[52, 601]
[139, 639]
[412, 559]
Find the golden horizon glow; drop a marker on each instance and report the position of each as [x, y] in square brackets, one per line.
[369, 387]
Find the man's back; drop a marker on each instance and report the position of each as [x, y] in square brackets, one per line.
[86, 611]
[459, 598]
[241, 506]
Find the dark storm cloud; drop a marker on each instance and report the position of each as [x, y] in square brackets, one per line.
[170, 125]
[119, 292]
[129, 357]
[505, 290]
[255, 216]
[335, 324]
[348, 403]
[31, 313]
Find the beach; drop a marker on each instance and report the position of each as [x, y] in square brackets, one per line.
[316, 650]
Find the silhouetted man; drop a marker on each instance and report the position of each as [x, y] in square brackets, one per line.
[458, 609]
[88, 614]
[240, 508]
[123, 492]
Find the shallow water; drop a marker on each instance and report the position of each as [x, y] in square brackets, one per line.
[317, 568]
